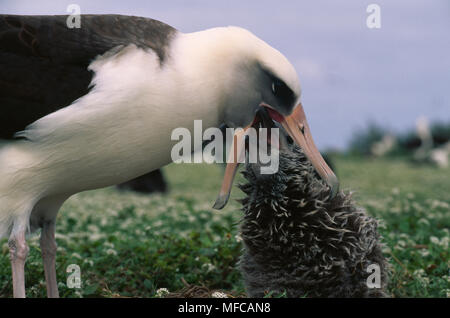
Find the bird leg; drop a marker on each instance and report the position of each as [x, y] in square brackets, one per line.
[18, 251]
[48, 250]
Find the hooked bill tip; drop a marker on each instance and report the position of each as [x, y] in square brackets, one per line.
[221, 201]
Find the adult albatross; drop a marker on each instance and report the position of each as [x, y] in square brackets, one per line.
[89, 107]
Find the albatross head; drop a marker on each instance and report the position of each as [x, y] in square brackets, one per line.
[258, 75]
[258, 85]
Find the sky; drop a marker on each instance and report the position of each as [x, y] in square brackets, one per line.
[350, 75]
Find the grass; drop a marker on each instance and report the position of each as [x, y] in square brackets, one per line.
[130, 245]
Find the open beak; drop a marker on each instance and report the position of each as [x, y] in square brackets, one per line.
[297, 127]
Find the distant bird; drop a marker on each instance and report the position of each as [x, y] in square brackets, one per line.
[426, 139]
[300, 241]
[440, 156]
[84, 108]
[436, 152]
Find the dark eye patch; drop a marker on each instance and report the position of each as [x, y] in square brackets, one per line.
[280, 89]
[285, 96]
[282, 92]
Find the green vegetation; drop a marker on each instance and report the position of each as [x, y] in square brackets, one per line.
[130, 245]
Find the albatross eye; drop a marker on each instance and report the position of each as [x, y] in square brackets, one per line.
[275, 87]
[279, 89]
[284, 96]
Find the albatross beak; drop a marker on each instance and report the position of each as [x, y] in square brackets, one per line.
[297, 127]
[236, 153]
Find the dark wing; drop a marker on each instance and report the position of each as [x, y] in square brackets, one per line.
[43, 63]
